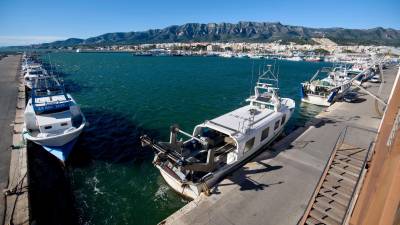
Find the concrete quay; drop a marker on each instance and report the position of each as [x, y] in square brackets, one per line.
[14, 205]
[276, 186]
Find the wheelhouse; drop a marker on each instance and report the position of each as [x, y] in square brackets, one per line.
[49, 96]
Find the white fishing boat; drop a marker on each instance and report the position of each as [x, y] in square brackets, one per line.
[218, 146]
[226, 55]
[312, 59]
[32, 73]
[28, 63]
[324, 92]
[52, 118]
[294, 58]
[254, 56]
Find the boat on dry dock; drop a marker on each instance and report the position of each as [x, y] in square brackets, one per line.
[218, 145]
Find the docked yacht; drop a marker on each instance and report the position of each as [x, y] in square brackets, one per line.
[324, 92]
[52, 118]
[218, 146]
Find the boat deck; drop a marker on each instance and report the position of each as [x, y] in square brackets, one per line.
[54, 118]
[233, 122]
[276, 186]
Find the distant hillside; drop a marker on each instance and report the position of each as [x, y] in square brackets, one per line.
[240, 32]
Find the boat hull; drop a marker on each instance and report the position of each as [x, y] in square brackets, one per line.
[316, 100]
[61, 152]
[193, 190]
[188, 190]
[58, 145]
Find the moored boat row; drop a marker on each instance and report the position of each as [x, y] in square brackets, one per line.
[336, 82]
[212, 150]
[53, 119]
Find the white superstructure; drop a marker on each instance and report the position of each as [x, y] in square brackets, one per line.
[52, 118]
[32, 73]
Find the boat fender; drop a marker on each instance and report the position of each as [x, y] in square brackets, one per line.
[24, 132]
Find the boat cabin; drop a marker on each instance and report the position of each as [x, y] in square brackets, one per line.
[49, 96]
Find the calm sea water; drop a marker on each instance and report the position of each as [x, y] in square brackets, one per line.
[124, 96]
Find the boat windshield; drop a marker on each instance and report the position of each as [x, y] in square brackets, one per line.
[47, 86]
[48, 92]
[36, 72]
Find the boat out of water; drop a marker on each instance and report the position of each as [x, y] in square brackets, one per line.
[222, 144]
[52, 118]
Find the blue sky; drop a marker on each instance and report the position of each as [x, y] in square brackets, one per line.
[35, 21]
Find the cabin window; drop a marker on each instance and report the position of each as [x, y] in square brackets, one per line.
[276, 125]
[283, 119]
[264, 133]
[249, 144]
[47, 127]
[64, 124]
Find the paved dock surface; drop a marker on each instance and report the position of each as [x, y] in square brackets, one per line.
[8, 102]
[276, 186]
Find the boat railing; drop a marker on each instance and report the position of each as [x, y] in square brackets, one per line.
[228, 147]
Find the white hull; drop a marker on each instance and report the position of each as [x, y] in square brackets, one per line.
[34, 126]
[55, 140]
[193, 190]
[28, 84]
[316, 100]
[187, 190]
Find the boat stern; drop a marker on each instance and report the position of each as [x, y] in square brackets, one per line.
[186, 189]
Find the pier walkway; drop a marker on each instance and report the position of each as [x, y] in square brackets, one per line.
[14, 204]
[8, 102]
[276, 187]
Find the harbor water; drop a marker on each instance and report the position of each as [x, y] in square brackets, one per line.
[123, 96]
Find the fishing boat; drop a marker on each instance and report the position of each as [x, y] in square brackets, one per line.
[324, 92]
[294, 58]
[33, 72]
[27, 62]
[313, 59]
[52, 118]
[218, 146]
[226, 55]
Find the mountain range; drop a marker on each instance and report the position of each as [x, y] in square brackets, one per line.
[239, 32]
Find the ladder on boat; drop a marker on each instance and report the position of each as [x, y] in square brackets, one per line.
[333, 199]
